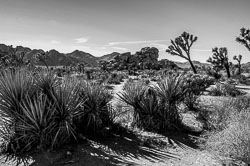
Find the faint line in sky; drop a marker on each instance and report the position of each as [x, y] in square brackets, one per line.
[120, 48]
[135, 42]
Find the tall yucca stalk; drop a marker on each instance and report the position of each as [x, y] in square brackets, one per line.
[95, 114]
[171, 91]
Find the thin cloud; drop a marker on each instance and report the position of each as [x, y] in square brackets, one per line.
[161, 47]
[120, 48]
[81, 40]
[135, 42]
[55, 42]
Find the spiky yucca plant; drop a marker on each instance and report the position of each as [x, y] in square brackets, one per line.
[37, 113]
[15, 87]
[95, 114]
[65, 98]
[155, 108]
[171, 92]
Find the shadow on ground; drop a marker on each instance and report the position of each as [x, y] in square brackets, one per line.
[125, 149]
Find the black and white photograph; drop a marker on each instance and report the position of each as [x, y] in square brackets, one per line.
[124, 82]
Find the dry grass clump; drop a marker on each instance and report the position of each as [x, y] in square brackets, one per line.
[231, 129]
[226, 89]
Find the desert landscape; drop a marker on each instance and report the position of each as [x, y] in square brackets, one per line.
[179, 101]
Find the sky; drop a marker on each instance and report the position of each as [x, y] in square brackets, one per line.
[100, 27]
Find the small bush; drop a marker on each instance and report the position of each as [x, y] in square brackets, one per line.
[214, 74]
[226, 89]
[195, 84]
[115, 78]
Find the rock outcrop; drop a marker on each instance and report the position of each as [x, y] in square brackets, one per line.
[146, 58]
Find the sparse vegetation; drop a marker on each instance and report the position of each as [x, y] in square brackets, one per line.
[196, 84]
[219, 60]
[229, 122]
[225, 89]
[43, 109]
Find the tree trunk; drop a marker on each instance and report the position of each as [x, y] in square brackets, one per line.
[239, 65]
[228, 71]
[193, 67]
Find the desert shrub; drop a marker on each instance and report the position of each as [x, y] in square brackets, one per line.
[217, 114]
[132, 82]
[242, 79]
[225, 89]
[231, 133]
[155, 108]
[115, 78]
[147, 81]
[213, 74]
[195, 84]
[96, 114]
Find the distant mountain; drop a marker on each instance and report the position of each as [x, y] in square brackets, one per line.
[55, 58]
[80, 56]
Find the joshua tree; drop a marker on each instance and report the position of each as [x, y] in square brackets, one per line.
[238, 59]
[219, 60]
[183, 44]
[244, 38]
[80, 67]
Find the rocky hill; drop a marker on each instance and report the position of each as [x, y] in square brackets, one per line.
[56, 58]
[146, 58]
[108, 57]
